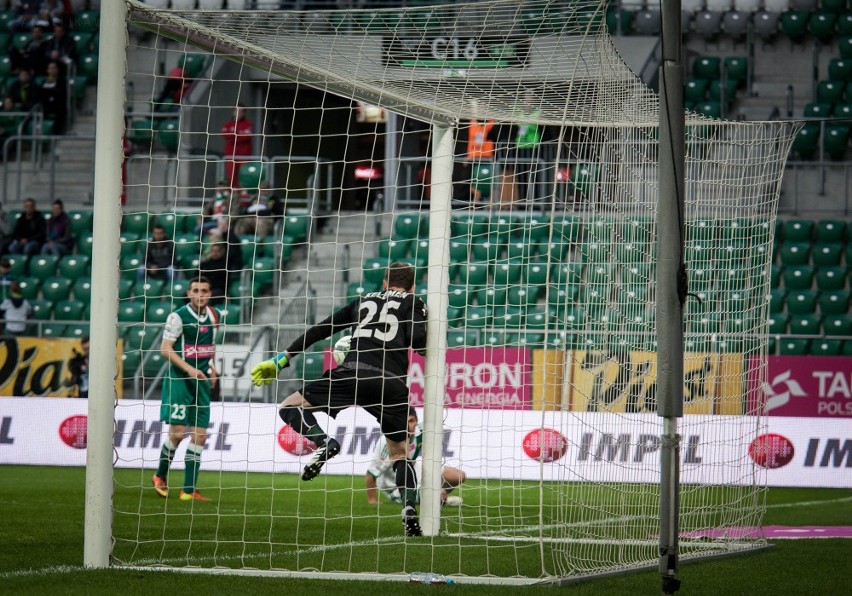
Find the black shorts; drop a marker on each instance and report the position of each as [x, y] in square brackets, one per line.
[385, 398]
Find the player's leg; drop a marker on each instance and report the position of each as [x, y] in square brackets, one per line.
[173, 413]
[406, 482]
[198, 416]
[295, 411]
[451, 478]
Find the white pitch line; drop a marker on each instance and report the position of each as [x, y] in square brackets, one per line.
[809, 503]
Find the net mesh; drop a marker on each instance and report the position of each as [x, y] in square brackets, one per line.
[551, 256]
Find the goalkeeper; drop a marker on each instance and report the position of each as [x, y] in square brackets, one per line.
[387, 324]
[380, 473]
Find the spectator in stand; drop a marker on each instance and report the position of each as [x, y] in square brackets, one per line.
[52, 12]
[5, 229]
[6, 278]
[237, 142]
[8, 122]
[177, 85]
[225, 232]
[78, 365]
[32, 56]
[159, 257]
[54, 98]
[24, 92]
[27, 13]
[60, 49]
[214, 266]
[259, 217]
[215, 210]
[30, 231]
[60, 241]
[16, 311]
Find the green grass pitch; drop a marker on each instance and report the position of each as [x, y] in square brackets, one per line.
[260, 521]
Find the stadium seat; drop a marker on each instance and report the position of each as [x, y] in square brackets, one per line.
[695, 90]
[647, 22]
[74, 266]
[474, 274]
[463, 338]
[834, 302]
[407, 226]
[43, 266]
[765, 24]
[374, 272]
[393, 250]
[489, 296]
[838, 325]
[794, 25]
[76, 330]
[82, 289]
[130, 360]
[806, 324]
[524, 296]
[82, 221]
[492, 338]
[508, 273]
[827, 254]
[710, 109]
[137, 222]
[311, 366]
[567, 229]
[736, 24]
[69, 310]
[30, 287]
[532, 229]
[807, 141]
[798, 230]
[821, 25]
[458, 296]
[297, 226]
[795, 253]
[131, 311]
[817, 109]
[488, 249]
[831, 230]
[56, 288]
[143, 337]
[799, 278]
[706, 67]
[125, 287]
[794, 346]
[84, 244]
[845, 46]
[779, 323]
[158, 312]
[469, 226]
[193, 64]
[87, 66]
[844, 25]
[802, 301]
[707, 24]
[42, 309]
[478, 317]
[17, 265]
[536, 273]
[826, 347]
[52, 330]
[168, 135]
[777, 300]
[836, 140]
[619, 21]
[840, 70]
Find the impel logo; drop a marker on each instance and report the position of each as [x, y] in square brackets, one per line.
[294, 443]
[73, 431]
[545, 445]
[771, 451]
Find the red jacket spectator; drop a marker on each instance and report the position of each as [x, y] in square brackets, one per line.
[237, 140]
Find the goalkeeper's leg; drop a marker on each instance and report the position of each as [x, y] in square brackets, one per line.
[295, 411]
[406, 481]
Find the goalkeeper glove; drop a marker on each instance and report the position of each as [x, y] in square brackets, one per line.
[266, 372]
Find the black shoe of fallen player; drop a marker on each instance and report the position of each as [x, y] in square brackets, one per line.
[411, 522]
[321, 455]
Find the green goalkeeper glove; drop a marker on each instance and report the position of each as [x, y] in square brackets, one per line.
[266, 372]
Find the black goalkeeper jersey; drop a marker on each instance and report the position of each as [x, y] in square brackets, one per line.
[385, 326]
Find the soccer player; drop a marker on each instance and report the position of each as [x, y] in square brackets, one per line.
[380, 473]
[188, 344]
[387, 324]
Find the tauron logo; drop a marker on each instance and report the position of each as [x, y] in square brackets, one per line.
[294, 443]
[771, 451]
[74, 431]
[545, 444]
[781, 389]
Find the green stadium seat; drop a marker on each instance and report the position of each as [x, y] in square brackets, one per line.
[489, 296]
[844, 28]
[519, 249]
[393, 250]
[373, 272]
[706, 67]
[730, 92]
[695, 90]
[567, 229]
[82, 221]
[807, 141]
[836, 140]
[76, 330]
[52, 330]
[474, 274]
[827, 254]
[710, 109]
[56, 288]
[457, 338]
[407, 226]
[777, 300]
[43, 266]
[131, 311]
[130, 360]
[69, 310]
[193, 64]
[263, 270]
[847, 348]
[74, 266]
[508, 273]
[455, 317]
[838, 325]
[532, 229]
[478, 317]
[583, 179]
[779, 323]
[153, 364]
[794, 25]
[537, 318]
[143, 337]
[561, 299]
[469, 226]
[817, 109]
[20, 41]
[799, 278]
[492, 338]
[821, 25]
[798, 230]
[311, 366]
[524, 296]
[85, 243]
[30, 287]
[297, 227]
[795, 253]
[834, 302]
[87, 66]
[137, 223]
[536, 274]
[125, 287]
[826, 347]
[806, 324]
[141, 131]
[598, 230]
[836, 6]
[158, 312]
[488, 249]
[843, 110]
[525, 339]
[457, 296]
[17, 265]
[152, 288]
[42, 309]
[459, 252]
[802, 301]
[831, 230]
[82, 289]
[168, 135]
[87, 21]
[794, 346]
[554, 250]
[840, 70]
[508, 317]
[619, 21]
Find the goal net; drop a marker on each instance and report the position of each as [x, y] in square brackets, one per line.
[508, 152]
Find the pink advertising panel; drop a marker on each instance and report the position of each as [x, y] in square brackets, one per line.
[804, 386]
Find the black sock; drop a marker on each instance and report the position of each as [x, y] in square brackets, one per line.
[304, 423]
[406, 481]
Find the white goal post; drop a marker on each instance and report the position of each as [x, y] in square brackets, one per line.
[504, 149]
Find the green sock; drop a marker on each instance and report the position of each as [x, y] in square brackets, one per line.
[192, 459]
[167, 454]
